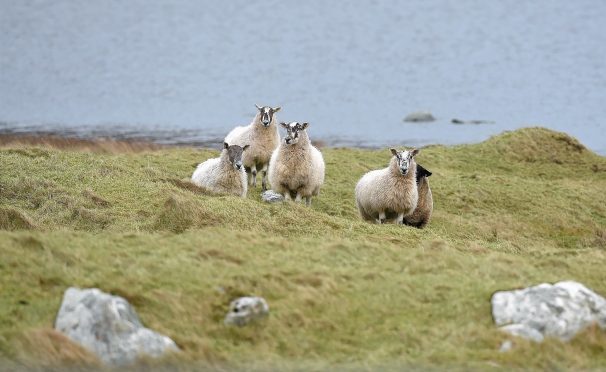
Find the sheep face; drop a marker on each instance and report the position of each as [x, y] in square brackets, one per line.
[292, 131]
[404, 159]
[234, 154]
[267, 114]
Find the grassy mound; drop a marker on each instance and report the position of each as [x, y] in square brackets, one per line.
[521, 208]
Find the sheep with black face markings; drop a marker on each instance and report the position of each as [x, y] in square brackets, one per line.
[389, 193]
[263, 137]
[225, 174]
[422, 214]
[296, 168]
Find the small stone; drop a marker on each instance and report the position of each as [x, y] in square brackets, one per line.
[245, 310]
[109, 327]
[560, 310]
[506, 346]
[270, 196]
[419, 116]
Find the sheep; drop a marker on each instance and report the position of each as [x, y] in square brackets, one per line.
[420, 217]
[225, 174]
[263, 137]
[296, 167]
[389, 193]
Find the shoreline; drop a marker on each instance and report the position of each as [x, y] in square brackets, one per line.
[107, 143]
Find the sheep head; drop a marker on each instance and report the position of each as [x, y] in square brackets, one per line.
[292, 131]
[267, 114]
[404, 159]
[234, 154]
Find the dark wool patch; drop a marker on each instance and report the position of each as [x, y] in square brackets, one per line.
[422, 172]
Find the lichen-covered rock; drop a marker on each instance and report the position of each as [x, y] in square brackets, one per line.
[560, 310]
[109, 327]
[270, 196]
[420, 116]
[245, 310]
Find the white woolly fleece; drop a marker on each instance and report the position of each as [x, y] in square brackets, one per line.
[297, 168]
[387, 191]
[219, 175]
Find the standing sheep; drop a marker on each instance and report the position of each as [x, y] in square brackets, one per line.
[420, 217]
[389, 193]
[296, 168]
[225, 174]
[263, 137]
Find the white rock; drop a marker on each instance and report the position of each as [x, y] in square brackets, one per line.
[270, 196]
[560, 310]
[109, 327]
[245, 310]
[420, 116]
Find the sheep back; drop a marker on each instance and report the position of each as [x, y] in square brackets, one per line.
[262, 141]
[422, 214]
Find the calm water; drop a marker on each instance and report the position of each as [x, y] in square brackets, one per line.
[187, 71]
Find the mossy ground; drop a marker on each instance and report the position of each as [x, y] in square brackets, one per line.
[522, 208]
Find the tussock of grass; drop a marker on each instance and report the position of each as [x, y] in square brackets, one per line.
[45, 348]
[11, 219]
[521, 208]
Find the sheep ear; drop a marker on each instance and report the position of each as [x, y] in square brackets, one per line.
[225, 145]
[258, 108]
[276, 109]
[414, 152]
[304, 126]
[394, 152]
[284, 125]
[245, 147]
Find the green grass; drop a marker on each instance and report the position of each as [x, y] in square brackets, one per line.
[521, 208]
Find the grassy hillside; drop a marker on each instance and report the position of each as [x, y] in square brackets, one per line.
[521, 208]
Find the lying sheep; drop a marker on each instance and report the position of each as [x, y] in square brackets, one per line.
[225, 174]
[389, 193]
[263, 137]
[420, 217]
[296, 168]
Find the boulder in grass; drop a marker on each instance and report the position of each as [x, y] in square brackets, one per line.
[109, 327]
[558, 310]
[246, 310]
[270, 196]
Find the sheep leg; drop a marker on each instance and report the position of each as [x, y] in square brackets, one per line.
[308, 201]
[253, 173]
[381, 219]
[264, 180]
[298, 197]
[400, 220]
[287, 196]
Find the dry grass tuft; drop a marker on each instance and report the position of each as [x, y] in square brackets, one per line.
[187, 185]
[49, 348]
[179, 214]
[95, 198]
[11, 219]
[102, 145]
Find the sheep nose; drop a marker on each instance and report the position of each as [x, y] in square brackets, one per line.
[238, 166]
